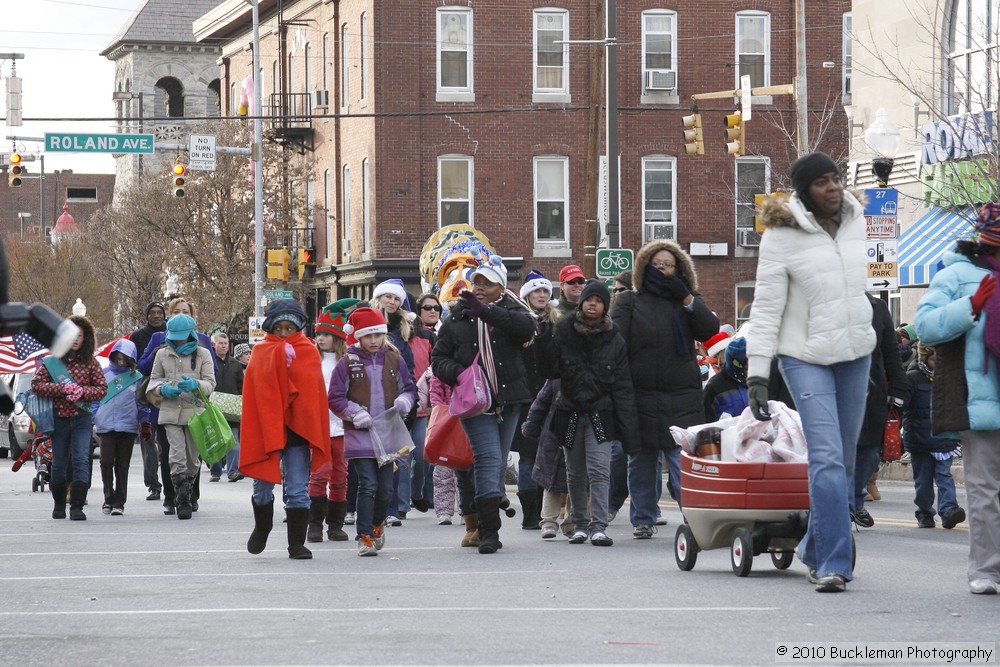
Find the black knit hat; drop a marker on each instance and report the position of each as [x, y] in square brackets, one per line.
[807, 169]
[596, 288]
[156, 304]
[287, 310]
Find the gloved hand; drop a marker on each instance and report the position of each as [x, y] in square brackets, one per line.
[70, 388]
[169, 391]
[402, 405]
[75, 392]
[187, 384]
[146, 431]
[655, 278]
[289, 354]
[757, 390]
[470, 305]
[987, 287]
[362, 419]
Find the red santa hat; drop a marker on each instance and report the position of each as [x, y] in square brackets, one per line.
[716, 344]
[365, 321]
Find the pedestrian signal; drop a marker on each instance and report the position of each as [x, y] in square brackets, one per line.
[307, 263]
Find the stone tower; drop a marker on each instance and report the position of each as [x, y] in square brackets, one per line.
[164, 77]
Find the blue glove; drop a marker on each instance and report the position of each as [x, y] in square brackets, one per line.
[471, 306]
[169, 391]
[188, 384]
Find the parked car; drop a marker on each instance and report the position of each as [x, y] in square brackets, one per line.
[18, 425]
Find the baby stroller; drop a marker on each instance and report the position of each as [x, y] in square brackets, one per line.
[41, 451]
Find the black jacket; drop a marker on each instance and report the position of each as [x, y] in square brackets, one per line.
[458, 342]
[886, 378]
[917, 417]
[549, 470]
[141, 338]
[229, 376]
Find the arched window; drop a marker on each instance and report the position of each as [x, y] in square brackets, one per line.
[169, 98]
[973, 56]
[213, 106]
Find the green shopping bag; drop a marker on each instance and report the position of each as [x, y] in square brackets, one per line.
[210, 432]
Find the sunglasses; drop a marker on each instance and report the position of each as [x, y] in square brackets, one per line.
[576, 281]
[437, 308]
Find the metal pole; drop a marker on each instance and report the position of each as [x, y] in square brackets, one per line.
[141, 127]
[611, 118]
[41, 198]
[801, 83]
[258, 175]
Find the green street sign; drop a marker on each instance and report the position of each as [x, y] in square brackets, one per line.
[98, 143]
[612, 261]
[275, 294]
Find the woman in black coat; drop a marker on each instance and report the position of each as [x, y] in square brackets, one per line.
[491, 310]
[660, 321]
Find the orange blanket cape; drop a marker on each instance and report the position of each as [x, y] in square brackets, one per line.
[277, 396]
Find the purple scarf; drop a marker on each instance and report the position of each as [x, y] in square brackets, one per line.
[991, 333]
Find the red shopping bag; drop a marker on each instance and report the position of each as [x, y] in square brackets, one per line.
[892, 441]
[445, 443]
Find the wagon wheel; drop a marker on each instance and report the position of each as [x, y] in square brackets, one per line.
[741, 552]
[782, 559]
[685, 548]
[34, 484]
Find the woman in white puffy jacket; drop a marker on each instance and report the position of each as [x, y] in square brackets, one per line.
[810, 311]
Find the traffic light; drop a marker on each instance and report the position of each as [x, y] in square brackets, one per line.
[15, 171]
[277, 264]
[307, 263]
[735, 134]
[694, 141]
[180, 176]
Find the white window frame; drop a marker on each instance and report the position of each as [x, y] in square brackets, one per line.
[744, 287]
[848, 58]
[564, 161]
[364, 58]
[975, 90]
[366, 209]
[455, 93]
[742, 205]
[330, 227]
[275, 79]
[346, 209]
[307, 56]
[345, 69]
[325, 76]
[552, 95]
[646, 160]
[290, 75]
[471, 175]
[673, 44]
[767, 47]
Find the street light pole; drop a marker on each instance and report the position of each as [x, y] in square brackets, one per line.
[611, 120]
[258, 174]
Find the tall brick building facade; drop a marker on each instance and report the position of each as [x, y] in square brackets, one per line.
[438, 112]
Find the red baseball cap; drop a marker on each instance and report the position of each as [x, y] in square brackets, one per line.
[570, 272]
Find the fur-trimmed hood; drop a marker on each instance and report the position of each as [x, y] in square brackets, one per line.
[685, 267]
[782, 209]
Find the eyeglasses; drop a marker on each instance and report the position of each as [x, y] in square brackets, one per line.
[663, 265]
[437, 308]
[619, 290]
[576, 281]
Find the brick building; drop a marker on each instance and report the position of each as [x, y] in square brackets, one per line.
[421, 113]
[84, 193]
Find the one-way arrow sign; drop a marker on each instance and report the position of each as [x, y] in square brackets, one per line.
[884, 284]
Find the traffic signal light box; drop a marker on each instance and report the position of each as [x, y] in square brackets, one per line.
[694, 140]
[15, 171]
[180, 177]
[735, 134]
[306, 263]
[277, 264]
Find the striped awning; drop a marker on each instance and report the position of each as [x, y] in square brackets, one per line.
[922, 246]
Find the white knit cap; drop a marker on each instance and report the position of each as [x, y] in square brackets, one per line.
[535, 280]
[392, 286]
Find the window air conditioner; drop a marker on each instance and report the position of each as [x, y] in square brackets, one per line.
[659, 232]
[747, 238]
[661, 79]
[320, 99]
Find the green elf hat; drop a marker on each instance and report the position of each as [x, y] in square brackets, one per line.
[332, 318]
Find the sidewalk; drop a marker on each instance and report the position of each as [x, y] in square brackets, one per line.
[901, 472]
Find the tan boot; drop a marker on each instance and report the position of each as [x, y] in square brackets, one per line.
[471, 538]
[871, 488]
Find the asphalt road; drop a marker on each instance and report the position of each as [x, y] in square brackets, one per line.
[146, 589]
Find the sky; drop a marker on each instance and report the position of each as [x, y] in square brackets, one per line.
[62, 73]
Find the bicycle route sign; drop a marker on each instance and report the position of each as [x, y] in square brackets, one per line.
[612, 261]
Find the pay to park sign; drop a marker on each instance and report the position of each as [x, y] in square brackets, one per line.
[98, 143]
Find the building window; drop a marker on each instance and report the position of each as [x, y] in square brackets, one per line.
[366, 207]
[552, 199]
[347, 210]
[81, 194]
[753, 176]
[307, 57]
[744, 299]
[659, 51]
[551, 62]
[973, 56]
[364, 59]
[326, 58]
[290, 74]
[329, 227]
[753, 47]
[234, 100]
[454, 50]
[455, 188]
[848, 65]
[345, 69]
[659, 205]
[275, 79]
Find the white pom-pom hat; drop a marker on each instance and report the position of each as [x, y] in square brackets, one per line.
[365, 321]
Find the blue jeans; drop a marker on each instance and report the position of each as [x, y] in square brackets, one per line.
[831, 404]
[490, 440]
[233, 457]
[927, 471]
[352, 488]
[401, 486]
[524, 481]
[295, 478]
[374, 493]
[645, 482]
[618, 490]
[71, 446]
[864, 465]
[422, 482]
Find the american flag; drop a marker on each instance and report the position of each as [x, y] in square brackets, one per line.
[19, 352]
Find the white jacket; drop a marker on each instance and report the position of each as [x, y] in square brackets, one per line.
[809, 302]
[330, 360]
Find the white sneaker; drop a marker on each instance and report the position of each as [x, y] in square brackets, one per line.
[549, 531]
[444, 521]
[983, 587]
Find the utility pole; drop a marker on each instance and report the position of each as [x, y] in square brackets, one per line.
[258, 173]
[591, 231]
[801, 82]
[611, 122]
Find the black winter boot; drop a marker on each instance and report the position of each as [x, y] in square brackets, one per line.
[263, 521]
[531, 509]
[59, 499]
[77, 499]
[335, 513]
[489, 525]
[317, 512]
[298, 522]
[182, 495]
